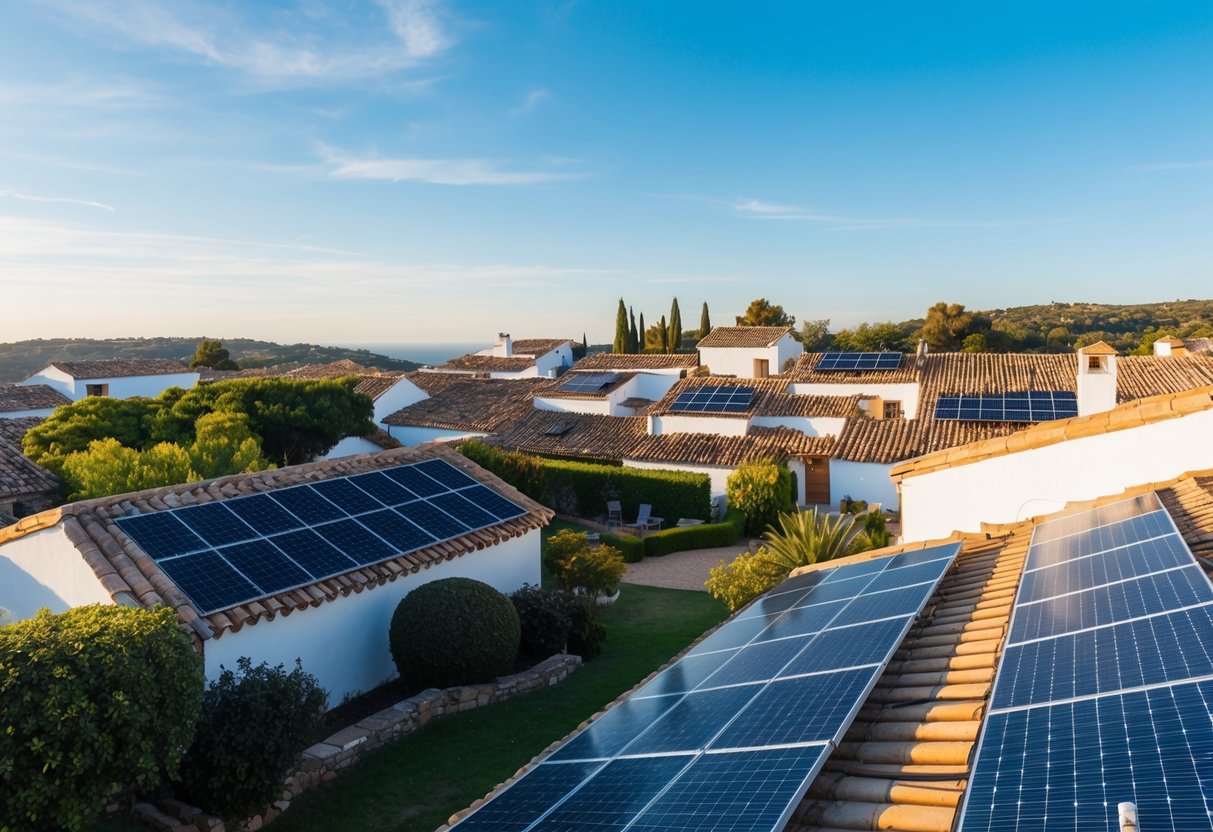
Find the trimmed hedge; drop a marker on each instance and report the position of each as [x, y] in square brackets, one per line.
[632, 547]
[583, 489]
[705, 536]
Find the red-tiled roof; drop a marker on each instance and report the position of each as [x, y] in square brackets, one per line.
[475, 404]
[743, 336]
[20, 476]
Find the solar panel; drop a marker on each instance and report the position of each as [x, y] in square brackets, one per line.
[1102, 695]
[729, 736]
[526, 800]
[587, 382]
[713, 399]
[225, 553]
[1031, 406]
[852, 361]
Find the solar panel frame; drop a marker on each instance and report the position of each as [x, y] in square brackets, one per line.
[713, 399]
[859, 361]
[217, 524]
[154, 533]
[1029, 406]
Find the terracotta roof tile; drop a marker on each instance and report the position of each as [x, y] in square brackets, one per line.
[552, 388]
[893, 440]
[489, 364]
[575, 434]
[1139, 376]
[537, 347]
[638, 361]
[120, 367]
[1099, 348]
[20, 476]
[15, 397]
[743, 336]
[482, 405]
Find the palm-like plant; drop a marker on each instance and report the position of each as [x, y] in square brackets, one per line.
[806, 537]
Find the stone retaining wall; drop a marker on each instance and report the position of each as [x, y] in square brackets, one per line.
[322, 762]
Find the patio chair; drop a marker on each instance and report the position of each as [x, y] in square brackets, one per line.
[645, 521]
[614, 515]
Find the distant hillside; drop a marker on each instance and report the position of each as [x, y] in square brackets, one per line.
[19, 359]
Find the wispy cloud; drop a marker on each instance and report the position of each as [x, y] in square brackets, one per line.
[1199, 164]
[532, 100]
[297, 44]
[342, 165]
[59, 199]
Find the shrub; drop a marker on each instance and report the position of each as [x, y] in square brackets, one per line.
[744, 579]
[587, 633]
[631, 546]
[563, 545]
[454, 631]
[705, 536]
[255, 721]
[877, 529]
[762, 491]
[805, 537]
[545, 617]
[96, 698]
[735, 517]
[596, 571]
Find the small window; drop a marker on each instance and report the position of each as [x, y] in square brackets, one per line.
[762, 367]
[96, 389]
[892, 410]
[1094, 364]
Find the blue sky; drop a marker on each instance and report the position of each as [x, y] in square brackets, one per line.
[420, 170]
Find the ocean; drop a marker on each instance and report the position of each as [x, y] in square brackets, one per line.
[423, 353]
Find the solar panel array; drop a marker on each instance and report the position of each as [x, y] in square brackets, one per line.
[587, 382]
[1105, 687]
[225, 553]
[714, 399]
[837, 361]
[1027, 406]
[729, 737]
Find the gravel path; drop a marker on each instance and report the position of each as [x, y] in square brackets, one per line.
[680, 570]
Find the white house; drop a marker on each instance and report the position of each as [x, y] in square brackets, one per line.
[513, 359]
[459, 407]
[25, 486]
[20, 401]
[119, 378]
[284, 581]
[749, 351]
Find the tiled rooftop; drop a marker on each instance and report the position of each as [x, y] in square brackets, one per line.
[120, 367]
[806, 371]
[15, 397]
[770, 399]
[743, 336]
[482, 405]
[638, 361]
[20, 476]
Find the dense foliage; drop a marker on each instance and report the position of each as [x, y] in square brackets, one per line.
[761, 491]
[594, 570]
[93, 699]
[583, 489]
[255, 721]
[740, 581]
[211, 354]
[629, 545]
[704, 536]
[545, 617]
[453, 631]
[587, 632]
[761, 312]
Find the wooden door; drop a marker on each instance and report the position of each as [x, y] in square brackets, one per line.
[817, 480]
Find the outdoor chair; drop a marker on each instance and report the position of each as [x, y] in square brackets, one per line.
[614, 515]
[645, 521]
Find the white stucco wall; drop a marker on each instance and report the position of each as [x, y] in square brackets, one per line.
[345, 642]
[351, 446]
[44, 569]
[736, 361]
[907, 393]
[397, 397]
[678, 423]
[560, 358]
[863, 481]
[411, 436]
[808, 425]
[654, 384]
[124, 387]
[20, 414]
[599, 407]
[1016, 486]
[55, 378]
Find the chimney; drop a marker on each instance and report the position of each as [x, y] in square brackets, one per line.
[1169, 345]
[1096, 379]
[504, 348]
[921, 352]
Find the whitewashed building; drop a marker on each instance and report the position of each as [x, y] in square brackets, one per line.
[119, 378]
[749, 351]
[513, 359]
[21, 401]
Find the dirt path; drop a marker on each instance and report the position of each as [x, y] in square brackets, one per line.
[680, 570]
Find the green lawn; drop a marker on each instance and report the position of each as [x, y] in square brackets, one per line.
[418, 782]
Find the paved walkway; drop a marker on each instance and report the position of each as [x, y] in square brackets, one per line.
[680, 570]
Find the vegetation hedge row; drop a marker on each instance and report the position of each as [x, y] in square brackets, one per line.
[705, 536]
[93, 699]
[630, 546]
[583, 489]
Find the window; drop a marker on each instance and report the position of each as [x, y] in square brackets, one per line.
[892, 410]
[1094, 364]
[762, 367]
[96, 389]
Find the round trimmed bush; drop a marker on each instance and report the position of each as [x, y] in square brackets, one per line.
[454, 631]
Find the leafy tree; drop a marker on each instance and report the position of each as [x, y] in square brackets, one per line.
[622, 341]
[946, 325]
[210, 353]
[664, 331]
[73, 427]
[741, 581]
[761, 491]
[705, 321]
[675, 339]
[1058, 339]
[107, 467]
[223, 445]
[976, 342]
[873, 338]
[815, 335]
[761, 312]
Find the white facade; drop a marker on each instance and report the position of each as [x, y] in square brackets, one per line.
[609, 405]
[740, 361]
[808, 425]
[904, 392]
[344, 642]
[1015, 486]
[868, 481]
[21, 414]
[681, 423]
[1096, 383]
[397, 397]
[411, 436]
[121, 387]
[44, 569]
[351, 446]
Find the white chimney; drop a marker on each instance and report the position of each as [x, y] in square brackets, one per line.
[1096, 379]
[504, 348]
[1169, 345]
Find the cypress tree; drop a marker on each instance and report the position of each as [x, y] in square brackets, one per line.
[675, 339]
[585, 343]
[664, 332]
[634, 340]
[621, 329]
[705, 323]
[644, 336]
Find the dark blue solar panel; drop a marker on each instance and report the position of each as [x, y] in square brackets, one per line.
[516, 808]
[713, 399]
[836, 590]
[1099, 539]
[492, 502]
[383, 489]
[852, 361]
[1081, 573]
[587, 382]
[264, 564]
[445, 473]
[306, 504]
[908, 576]
[208, 581]
[608, 734]
[738, 791]
[263, 514]
[769, 604]
[355, 542]
[310, 551]
[685, 674]
[894, 602]
[161, 535]
[1065, 767]
[802, 621]
[804, 709]
[400, 533]
[918, 556]
[756, 662]
[463, 510]
[692, 723]
[432, 519]
[216, 524]
[1087, 520]
[1146, 651]
[1035, 406]
[614, 795]
[849, 647]
[415, 480]
[808, 580]
[1104, 605]
[347, 496]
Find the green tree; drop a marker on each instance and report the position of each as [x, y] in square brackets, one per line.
[976, 342]
[946, 325]
[815, 335]
[664, 332]
[634, 334]
[675, 339]
[107, 467]
[210, 353]
[73, 427]
[223, 444]
[622, 339]
[642, 344]
[761, 312]
[705, 322]
[873, 338]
